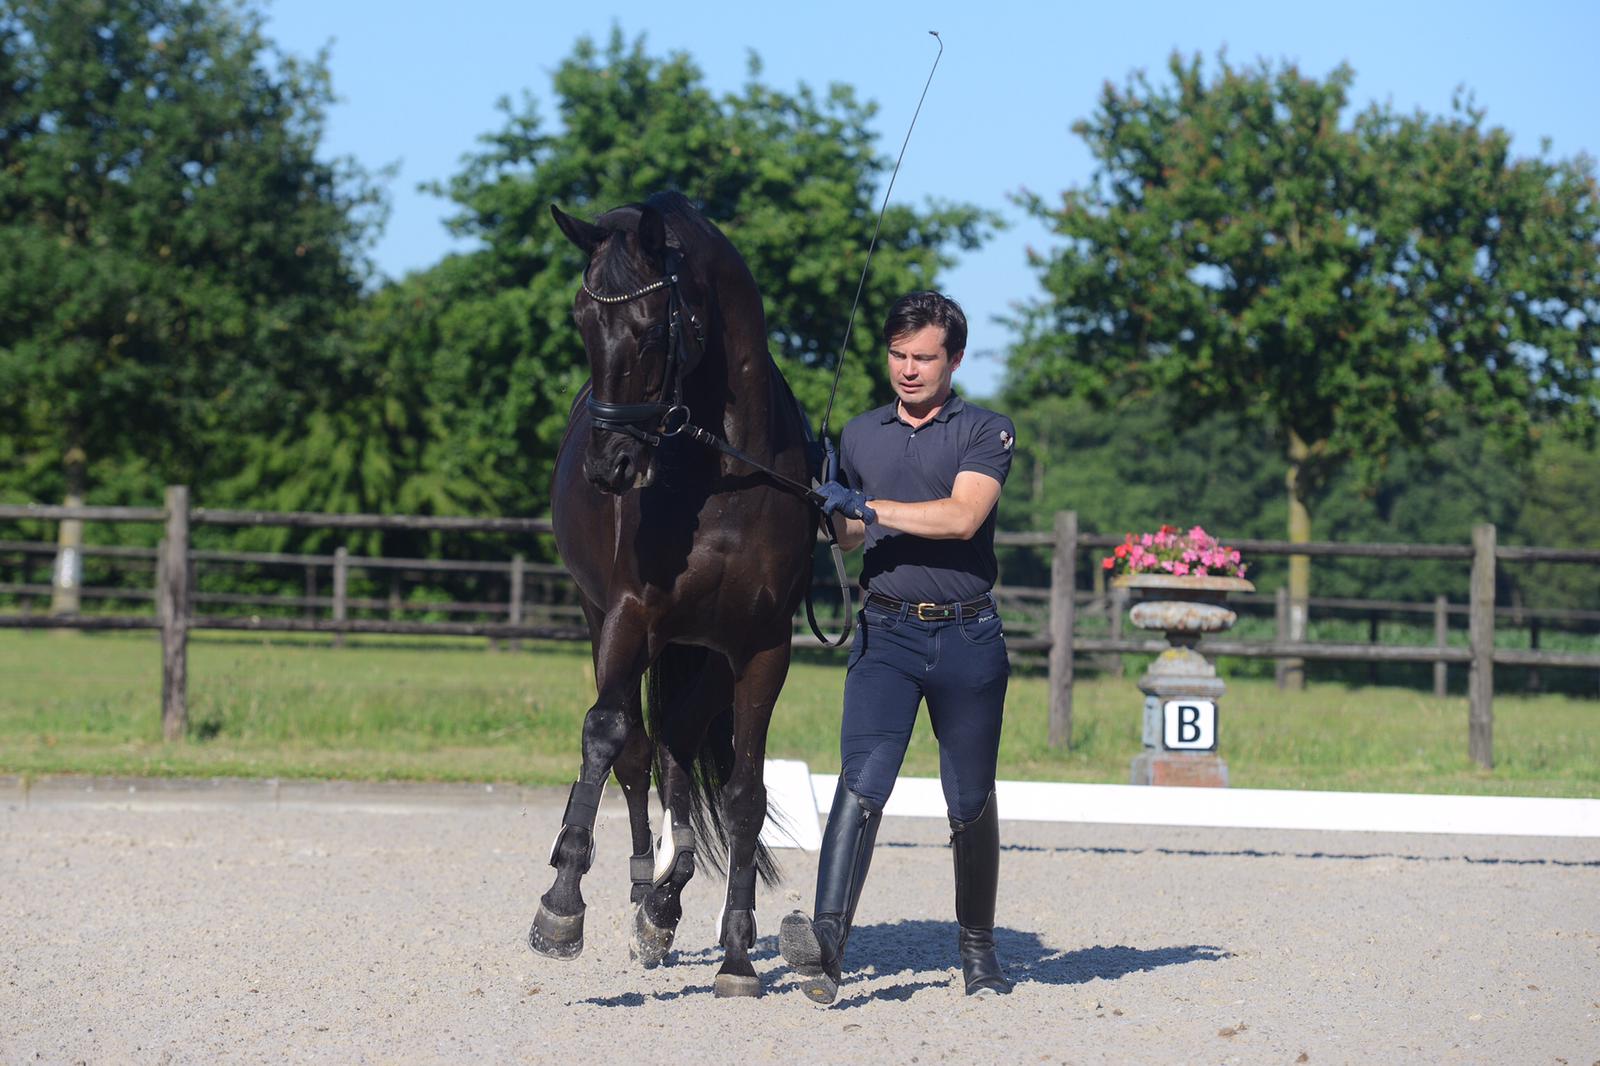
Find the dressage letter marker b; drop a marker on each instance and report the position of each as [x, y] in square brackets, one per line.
[1189, 725]
[1182, 691]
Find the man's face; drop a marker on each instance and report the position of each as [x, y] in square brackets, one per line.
[919, 366]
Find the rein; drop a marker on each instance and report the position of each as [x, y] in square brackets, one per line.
[652, 422]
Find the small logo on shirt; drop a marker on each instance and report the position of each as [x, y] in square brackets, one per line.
[1006, 440]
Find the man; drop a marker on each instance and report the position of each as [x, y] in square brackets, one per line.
[921, 478]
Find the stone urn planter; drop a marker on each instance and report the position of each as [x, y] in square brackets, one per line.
[1181, 688]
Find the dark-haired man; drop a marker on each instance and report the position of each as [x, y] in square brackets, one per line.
[919, 481]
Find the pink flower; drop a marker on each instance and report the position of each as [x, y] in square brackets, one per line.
[1172, 551]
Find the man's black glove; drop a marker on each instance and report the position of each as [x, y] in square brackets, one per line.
[834, 498]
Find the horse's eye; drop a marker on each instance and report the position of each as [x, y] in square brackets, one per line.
[653, 338]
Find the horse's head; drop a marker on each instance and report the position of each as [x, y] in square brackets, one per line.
[642, 339]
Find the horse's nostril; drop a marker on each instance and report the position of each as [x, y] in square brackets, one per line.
[622, 469]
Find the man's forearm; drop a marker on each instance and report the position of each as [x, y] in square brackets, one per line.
[947, 519]
[850, 532]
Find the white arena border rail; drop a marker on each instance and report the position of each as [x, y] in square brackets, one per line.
[1236, 808]
[797, 797]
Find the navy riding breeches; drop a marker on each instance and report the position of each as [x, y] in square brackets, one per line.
[959, 666]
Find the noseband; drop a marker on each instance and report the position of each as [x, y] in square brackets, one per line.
[667, 417]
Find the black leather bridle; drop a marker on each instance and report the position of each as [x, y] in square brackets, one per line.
[667, 417]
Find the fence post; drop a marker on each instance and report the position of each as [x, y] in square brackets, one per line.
[1280, 618]
[341, 580]
[1535, 682]
[1480, 681]
[172, 597]
[1119, 608]
[514, 613]
[1441, 638]
[1372, 638]
[1063, 583]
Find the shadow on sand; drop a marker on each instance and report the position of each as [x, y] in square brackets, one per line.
[925, 951]
[1257, 853]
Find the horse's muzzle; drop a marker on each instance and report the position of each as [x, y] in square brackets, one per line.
[615, 466]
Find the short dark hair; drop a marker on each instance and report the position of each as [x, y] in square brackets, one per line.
[915, 310]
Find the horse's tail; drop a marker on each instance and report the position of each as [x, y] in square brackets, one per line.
[675, 684]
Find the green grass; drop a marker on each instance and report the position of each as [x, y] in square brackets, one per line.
[441, 710]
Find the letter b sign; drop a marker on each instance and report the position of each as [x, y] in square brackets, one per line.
[1189, 725]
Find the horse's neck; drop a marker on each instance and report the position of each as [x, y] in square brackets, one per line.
[747, 373]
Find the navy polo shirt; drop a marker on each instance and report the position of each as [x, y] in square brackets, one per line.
[882, 455]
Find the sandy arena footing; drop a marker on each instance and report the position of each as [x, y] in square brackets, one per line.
[361, 924]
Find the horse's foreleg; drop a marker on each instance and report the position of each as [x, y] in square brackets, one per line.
[744, 810]
[558, 926]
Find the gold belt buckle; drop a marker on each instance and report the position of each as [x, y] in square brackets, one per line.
[922, 617]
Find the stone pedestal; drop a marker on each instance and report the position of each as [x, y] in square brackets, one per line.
[1182, 691]
[1181, 768]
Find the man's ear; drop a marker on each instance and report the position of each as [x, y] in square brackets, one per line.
[955, 360]
[585, 235]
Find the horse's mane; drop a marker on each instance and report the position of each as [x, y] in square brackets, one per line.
[614, 271]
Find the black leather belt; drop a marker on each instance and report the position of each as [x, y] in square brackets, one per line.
[929, 612]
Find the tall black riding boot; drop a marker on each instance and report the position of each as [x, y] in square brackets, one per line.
[815, 946]
[976, 846]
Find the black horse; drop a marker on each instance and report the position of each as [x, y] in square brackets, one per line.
[691, 563]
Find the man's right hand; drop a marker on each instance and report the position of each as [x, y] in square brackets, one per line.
[835, 498]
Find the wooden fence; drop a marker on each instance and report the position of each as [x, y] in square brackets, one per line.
[176, 600]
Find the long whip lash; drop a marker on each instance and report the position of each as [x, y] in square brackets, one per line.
[860, 285]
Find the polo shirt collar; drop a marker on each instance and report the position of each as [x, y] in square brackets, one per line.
[952, 407]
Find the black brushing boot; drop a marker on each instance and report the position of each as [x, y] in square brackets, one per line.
[976, 847]
[815, 946]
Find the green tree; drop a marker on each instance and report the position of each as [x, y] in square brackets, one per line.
[1138, 468]
[1558, 512]
[462, 375]
[397, 434]
[177, 257]
[1350, 287]
[790, 177]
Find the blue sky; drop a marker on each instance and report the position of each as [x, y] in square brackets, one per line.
[418, 81]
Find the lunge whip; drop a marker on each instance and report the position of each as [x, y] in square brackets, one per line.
[873, 244]
[844, 346]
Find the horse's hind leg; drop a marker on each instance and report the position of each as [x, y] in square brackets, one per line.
[633, 774]
[558, 926]
[655, 920]
[694, 685]
[744, 810]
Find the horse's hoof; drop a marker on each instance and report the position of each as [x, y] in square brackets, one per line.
[736, 979]
[650, 942]
[556, 936]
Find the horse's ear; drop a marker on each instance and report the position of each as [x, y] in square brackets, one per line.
[652, 232]
[585, 235]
